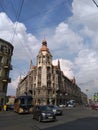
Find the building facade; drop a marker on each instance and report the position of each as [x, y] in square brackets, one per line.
[47, 83]
[6, 51]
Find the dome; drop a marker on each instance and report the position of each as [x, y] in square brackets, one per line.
[44, 46]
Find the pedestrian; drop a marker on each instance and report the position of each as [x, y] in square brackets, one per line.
[4, 107]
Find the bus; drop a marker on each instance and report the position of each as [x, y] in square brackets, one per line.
[23, 104]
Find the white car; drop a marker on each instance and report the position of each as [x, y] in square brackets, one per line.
[70, 105]
[62, 105]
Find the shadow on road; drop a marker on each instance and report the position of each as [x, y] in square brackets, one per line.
[90, 123]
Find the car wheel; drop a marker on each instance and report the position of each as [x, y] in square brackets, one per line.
[39, 118]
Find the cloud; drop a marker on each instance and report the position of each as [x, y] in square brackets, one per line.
[64, 36]
[84, 12]
[66, 67]
[87, 61]
[24, 43]
[87, 65]
[84, 21]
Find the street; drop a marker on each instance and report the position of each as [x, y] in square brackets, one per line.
[72, 119]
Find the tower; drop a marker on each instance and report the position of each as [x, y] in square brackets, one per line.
[44, 62]
[44, 67]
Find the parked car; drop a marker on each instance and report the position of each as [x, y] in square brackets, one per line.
[71, 103]
[94, 106]
[43, 113]
[62, 105]
[57, 110]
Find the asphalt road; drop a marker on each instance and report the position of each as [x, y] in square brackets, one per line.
[72, 119]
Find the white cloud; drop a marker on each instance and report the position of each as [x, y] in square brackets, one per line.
[5, 22]
[84, 12]
[87, 66]
[65, 37]
[66, 67]
[84, 21]
[24, 43]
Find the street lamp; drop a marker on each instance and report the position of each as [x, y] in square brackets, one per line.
[87, 90]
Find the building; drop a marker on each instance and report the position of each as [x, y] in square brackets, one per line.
[6, 51]
[47, 83]
[10, 100]
[84, 98]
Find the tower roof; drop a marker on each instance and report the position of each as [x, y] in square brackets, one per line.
[44, 46]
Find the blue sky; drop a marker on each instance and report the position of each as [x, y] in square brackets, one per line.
[37, 14]
[70, 28]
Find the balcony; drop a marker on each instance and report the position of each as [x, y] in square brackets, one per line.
[8, 67]
[7, 80]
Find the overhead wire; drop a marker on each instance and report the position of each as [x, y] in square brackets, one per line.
[95, 3]
[17, 19]
[14, 30]
[17, 14]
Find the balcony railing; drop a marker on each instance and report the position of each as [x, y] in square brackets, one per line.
[6, 80]
[8, 67]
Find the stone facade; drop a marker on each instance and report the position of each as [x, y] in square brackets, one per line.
[6, 51]
[47, 83]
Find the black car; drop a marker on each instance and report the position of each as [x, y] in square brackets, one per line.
[43, 113]
[57, 110]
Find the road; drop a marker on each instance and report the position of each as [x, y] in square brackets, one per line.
[72, 119]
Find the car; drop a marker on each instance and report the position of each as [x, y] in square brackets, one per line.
[94, 106]
[43, 113]
[62, 105]
[70, 105]
[57, 110]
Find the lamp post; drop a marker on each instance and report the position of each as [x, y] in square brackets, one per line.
[87, 90]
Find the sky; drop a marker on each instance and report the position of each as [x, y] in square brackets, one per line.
[70, 28]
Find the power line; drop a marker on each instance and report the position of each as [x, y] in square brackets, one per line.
[17, 18]
[17, 14]
[95, 3]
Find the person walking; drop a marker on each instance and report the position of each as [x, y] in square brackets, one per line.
[4, 107]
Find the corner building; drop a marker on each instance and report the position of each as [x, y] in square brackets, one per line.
[6, 52]
[46, 83]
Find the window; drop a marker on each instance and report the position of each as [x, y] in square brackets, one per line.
[0, 59]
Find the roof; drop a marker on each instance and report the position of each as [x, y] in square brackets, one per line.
[44, 46]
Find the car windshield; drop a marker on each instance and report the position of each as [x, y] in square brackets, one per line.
[27, 101]
[45, 108]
